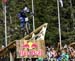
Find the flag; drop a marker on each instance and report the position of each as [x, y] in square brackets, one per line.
[41, 34]
[33, 36]
[61, 2]
[4, 1]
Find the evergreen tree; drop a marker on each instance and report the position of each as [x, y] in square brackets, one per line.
[45, 11]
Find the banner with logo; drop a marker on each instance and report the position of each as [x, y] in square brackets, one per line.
[30, 48]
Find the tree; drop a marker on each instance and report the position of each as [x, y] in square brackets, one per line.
[45, 11]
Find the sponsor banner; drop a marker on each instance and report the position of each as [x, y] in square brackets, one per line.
[33, 48]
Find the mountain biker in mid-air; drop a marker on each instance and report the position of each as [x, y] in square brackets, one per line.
[24, 22]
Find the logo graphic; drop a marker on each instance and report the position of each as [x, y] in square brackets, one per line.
[30, 45]
[30, 50]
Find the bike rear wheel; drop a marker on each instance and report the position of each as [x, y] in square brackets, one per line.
[27, 27]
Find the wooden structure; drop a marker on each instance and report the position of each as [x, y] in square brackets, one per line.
[72, 45]
[11, 48]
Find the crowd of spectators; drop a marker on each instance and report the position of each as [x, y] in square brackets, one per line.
[64, 54]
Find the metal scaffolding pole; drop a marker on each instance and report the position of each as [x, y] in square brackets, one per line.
[59, 24]
[5, 25]
[33, 15]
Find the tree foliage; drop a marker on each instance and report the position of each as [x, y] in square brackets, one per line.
[45, 11]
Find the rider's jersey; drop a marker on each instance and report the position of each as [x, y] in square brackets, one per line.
[22, 14]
